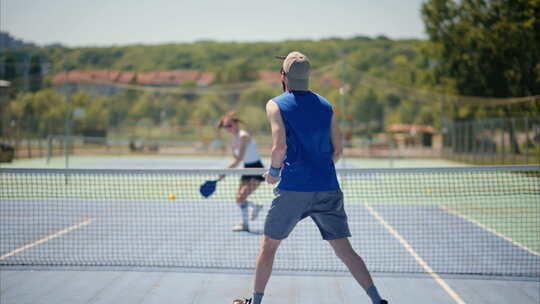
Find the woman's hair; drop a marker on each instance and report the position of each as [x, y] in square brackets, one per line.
[229, 116]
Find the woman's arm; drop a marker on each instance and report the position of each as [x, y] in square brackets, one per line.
[244, 140]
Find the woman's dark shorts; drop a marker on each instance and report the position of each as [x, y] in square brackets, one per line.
[256, 164]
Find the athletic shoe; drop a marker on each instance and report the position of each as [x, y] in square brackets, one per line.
[384, 302]
[240, 227]
[255, 211]
[242, 301]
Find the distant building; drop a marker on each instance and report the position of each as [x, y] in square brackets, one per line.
[412, 135]
[270, 77]
[99, 82]
[273, 78]
[327, 81]
[4, 84]
[107, 82]
[174, 78]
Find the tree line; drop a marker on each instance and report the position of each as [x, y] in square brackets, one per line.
[475, 48]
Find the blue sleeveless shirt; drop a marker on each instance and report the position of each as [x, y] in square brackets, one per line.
[308, 164]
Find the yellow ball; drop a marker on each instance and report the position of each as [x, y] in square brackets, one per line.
[172, 196]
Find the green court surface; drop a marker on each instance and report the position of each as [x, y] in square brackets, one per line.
[198, 162]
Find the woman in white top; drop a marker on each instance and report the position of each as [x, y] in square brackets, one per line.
[244, 149]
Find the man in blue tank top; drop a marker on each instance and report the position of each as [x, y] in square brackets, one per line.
[306, 141]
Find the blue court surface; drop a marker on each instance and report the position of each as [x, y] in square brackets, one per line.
[115, 235]
[69, 286]
[98, 238]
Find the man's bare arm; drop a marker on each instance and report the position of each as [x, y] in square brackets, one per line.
[279, 145]
[336, 139]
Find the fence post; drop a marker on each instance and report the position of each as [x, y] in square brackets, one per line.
[482, 151]
[514, 144]
[526, 140]
[40, 147]
[503, 146]
[29, 147]
[49, 148]
[536, 127]
[493, 154]
[474, 149]
[453, 143]
[467, 142]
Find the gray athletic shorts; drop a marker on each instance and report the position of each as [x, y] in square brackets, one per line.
[290, 207]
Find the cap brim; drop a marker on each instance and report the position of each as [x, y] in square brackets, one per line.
[280, 57]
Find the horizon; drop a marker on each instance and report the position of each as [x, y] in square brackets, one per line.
[207, 40]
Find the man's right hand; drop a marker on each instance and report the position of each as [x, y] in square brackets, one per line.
[269, 178]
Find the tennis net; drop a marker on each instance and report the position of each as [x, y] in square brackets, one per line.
[471, 221]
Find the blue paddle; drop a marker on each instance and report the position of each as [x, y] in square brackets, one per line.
[208, 187]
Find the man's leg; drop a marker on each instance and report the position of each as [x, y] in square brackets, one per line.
[343, 249]
[263, 269]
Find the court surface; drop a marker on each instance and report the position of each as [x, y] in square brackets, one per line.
[71, 286]
[158, 282]
[187, 162]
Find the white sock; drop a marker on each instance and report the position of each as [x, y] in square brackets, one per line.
[244, 210]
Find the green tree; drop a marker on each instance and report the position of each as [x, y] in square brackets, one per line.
[37, 114]
[237, 70]
[208, 110]
[11, 74]
[35, 74]
[50, 107]
[257, 97]
[92, 115]
[490, 47]
[255, 120]
[146, 106]
[19, 112]
[119, 105]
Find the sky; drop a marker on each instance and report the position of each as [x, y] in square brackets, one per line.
[124, 22]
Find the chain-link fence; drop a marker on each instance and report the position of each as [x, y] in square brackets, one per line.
[493, 141]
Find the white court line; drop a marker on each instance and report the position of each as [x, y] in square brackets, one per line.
[45, 239]
[415, 255]
[489, 230]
